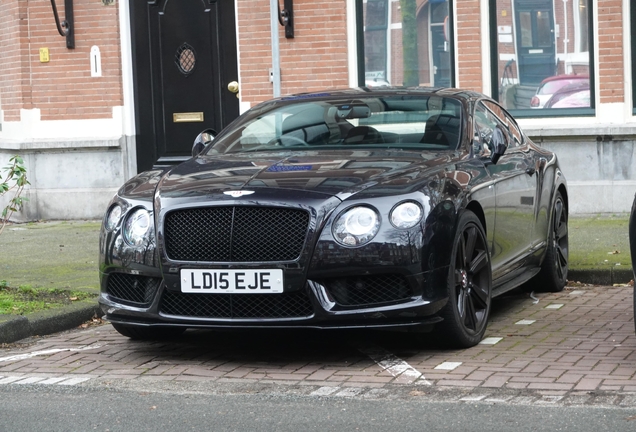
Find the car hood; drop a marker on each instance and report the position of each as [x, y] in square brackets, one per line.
[330, 173]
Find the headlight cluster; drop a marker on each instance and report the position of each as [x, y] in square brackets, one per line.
[136, 223]
[406, 215]
[113, 217]
[358, 225]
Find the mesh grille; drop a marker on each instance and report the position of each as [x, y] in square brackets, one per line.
[236, 234]
[185, 59]
[368, 290]
[286, 305]
[132, 289]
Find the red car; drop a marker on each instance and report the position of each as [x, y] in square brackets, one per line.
[552, 85]
[571, 95]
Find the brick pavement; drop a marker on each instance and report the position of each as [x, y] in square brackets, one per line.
[580, 340]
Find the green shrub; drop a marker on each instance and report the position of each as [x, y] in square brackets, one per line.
[13, 179]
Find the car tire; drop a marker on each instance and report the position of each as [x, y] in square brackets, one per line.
[469, 286]
[148, 333]
[554, 271]
[632, 250]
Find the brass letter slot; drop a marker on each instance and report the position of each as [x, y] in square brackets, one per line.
[189, 117]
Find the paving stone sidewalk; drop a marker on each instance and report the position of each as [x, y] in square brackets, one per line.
[578, 341]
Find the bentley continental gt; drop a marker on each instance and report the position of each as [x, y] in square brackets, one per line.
[362, 208]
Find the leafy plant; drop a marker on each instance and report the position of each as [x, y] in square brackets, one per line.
[13, 182]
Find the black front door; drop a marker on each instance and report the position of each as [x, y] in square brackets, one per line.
[535, 39]
[515, 190]
[184, 57]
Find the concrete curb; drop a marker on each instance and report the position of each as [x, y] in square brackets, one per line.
[13, 328]
[608, 276]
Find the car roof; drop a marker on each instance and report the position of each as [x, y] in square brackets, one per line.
[574, 86]
[364, 92]
[564, 77]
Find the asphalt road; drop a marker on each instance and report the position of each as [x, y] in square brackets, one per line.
[28, 409]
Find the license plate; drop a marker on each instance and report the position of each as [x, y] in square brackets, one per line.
[259, 281]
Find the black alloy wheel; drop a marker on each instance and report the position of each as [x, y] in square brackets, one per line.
[632, 249]
[148, 333]
[554, 271]
[469, 286]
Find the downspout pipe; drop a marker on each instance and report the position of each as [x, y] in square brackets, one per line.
[275, 72]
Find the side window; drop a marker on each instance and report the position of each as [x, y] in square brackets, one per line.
[489, 129]
[483, 129]
[513, 134]
[516, 136]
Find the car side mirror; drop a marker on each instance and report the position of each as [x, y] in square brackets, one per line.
[477, 147]
[202, 140]
[498, 149]
[497, 145]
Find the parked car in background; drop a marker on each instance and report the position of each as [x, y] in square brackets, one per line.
[362, 208]
[376, 82]
[580, 99]
[551, 85]
[576, 93]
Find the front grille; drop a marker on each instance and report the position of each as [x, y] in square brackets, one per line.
[294, 304]
[139, 290]
[235, 234]
[368, 290]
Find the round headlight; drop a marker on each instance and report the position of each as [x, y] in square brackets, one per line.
[113, 217]
[406, 215]
[356, 226]
[136, 227]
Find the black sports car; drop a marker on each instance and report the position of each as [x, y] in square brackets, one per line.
[346, 209]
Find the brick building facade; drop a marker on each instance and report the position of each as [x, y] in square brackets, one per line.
[78, 129]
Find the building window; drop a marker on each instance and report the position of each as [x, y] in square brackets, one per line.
[541, 58]
[633, 28]
[405, 43]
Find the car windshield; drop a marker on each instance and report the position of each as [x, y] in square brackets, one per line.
[400, 122]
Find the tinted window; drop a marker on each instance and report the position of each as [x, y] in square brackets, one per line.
[506, 123]
[488, 117]
[421, 123]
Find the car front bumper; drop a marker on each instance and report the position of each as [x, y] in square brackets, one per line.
[324, 304]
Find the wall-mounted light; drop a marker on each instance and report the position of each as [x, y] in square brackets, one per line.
[65, 28]
[286, 18]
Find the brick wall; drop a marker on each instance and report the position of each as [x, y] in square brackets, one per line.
[610, 50]
[315, 59]
[63, 88]
[14, 89]
[468, 45]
